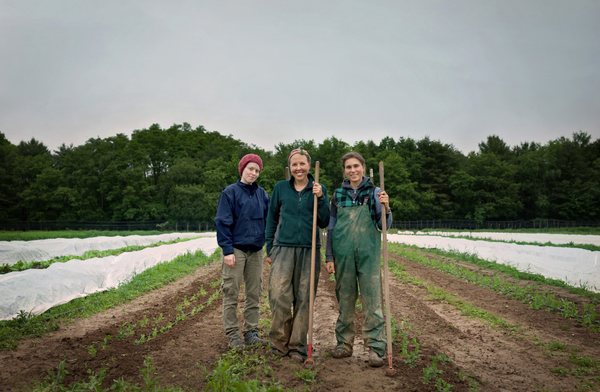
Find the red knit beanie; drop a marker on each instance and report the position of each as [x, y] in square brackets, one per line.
[246, 159]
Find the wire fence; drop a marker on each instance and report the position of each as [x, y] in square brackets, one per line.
[114, 226]
[467, 224]
[199, 226]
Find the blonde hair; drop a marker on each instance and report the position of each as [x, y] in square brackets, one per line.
[300, 151]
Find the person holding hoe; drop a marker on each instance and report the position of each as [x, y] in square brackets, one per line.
[353, 253]
[240, 222]
[289, 244]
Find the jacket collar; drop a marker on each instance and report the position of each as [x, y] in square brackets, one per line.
[310, 177]
[365, 183]
[246, 186]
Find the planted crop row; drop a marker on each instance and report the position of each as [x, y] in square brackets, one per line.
[56, 381]
[410, 352]
[585, 368]
[188, 307]
[150, 328]
[523, 293]
[440, 294]
[29, 325]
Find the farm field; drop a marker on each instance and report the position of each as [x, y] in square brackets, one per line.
[458, 326]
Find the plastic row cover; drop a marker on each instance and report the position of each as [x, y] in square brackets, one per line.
[541, 238]
[37, 290]
[39, 250]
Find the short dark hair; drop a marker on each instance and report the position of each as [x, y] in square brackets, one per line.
[353, 154]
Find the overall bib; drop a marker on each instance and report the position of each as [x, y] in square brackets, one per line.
[356, 248]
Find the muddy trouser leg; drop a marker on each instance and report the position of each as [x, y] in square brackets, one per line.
[369, 281]
[301, 285]
[232, 279]
[346, 291]
[253, 283]
[281, 297]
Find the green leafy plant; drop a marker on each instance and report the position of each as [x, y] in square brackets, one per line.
[309, 376]
[92, 350]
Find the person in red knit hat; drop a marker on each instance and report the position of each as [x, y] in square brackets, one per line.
[240, 222]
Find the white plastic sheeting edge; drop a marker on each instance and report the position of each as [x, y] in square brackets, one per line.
[39, 250]
[577, 267]
[37, 290]
[541, 238]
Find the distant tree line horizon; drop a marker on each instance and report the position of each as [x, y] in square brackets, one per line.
[177, 174]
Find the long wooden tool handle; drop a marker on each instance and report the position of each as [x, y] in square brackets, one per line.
[386, 277]
[313, 256]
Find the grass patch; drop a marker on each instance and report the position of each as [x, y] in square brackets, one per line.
[309, 376]
[28, 325]
[239, 370]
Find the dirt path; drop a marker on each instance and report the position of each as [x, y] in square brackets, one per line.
[484, 357]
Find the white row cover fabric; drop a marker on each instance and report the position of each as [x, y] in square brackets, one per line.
[39, 250]
[577, 267]
[37, 290]
[541, 238]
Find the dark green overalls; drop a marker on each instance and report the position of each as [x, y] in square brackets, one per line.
[356, 246]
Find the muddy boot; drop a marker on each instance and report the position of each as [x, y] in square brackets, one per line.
[375, 360]
[235, 343]
[251, 339]
[341, 351]
[296, 356]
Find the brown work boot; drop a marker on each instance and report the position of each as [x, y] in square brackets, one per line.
[296, 356]
[251, 338]
[341, 351]
[375, 360]
[235, 343]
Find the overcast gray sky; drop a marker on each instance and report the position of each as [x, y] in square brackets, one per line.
[275, 71]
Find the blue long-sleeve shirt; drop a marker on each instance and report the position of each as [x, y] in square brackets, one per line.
[241, 216]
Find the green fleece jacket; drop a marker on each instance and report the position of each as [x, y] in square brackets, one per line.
[290, 215]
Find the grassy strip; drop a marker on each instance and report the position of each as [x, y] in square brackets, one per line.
[45, 234]
[526, 294]
[28, 325]
[439, 294]
[25, 265]
[590, 247]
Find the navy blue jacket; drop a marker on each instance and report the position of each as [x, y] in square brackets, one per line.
[241, 215]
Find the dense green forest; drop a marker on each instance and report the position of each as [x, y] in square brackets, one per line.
[177, 173]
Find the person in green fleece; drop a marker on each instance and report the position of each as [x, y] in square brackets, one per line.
[288, 235]
[353, 253]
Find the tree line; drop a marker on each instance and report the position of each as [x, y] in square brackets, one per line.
[177, 174]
